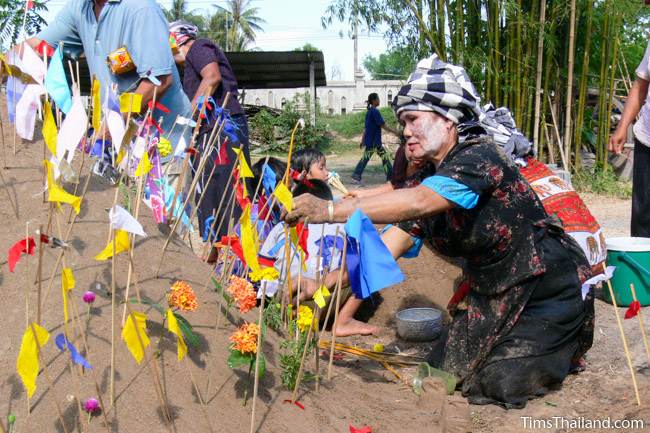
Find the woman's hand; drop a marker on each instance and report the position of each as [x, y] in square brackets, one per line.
[307, 206]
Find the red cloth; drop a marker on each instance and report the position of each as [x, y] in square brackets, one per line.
[222, 159]
[17, 250]
[295, 175]
[633, 310]
[262, 206]
[235, 246]
[44, 47]
[30, 4]
[239, 192]
[365, 429]
[159, 106]
[303, 235]
[266, 262]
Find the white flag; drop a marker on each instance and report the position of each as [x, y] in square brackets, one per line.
[121, 219]
[32, 64]
[26, 111]
[180, 120]
[72, 130]
[116, 127]
[180, 147]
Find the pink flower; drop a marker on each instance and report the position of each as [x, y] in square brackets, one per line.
[89, 297]
[91, 405]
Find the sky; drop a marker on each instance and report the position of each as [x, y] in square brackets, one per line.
[291, 24]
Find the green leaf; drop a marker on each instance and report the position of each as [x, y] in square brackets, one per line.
[262, 367]
[189, 334]
[147, 301]
[238, 359]
[216, 284]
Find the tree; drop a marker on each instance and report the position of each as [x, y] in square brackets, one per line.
[307, 47]
[240, 22]
[392, 65]
[12, 15]
[178, 11]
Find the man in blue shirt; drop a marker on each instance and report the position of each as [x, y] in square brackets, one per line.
[100, 27]
[372, 140]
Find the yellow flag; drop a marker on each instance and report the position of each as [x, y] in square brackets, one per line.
[249, 239]
[50, 134]
[27, 364]
[136, 324]
[130, 102]
[121, 244]
[244, 169]
[284, 196]
[57, 194]
[97, 106]
[172, 325]
[144, 166]
[320, 295]
[67, 284]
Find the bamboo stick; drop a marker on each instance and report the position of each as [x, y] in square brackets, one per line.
[337, 293]
[258, 356]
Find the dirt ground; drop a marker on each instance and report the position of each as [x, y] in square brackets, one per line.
[360, 393]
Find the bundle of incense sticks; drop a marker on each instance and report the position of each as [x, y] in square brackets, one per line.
[335, 181]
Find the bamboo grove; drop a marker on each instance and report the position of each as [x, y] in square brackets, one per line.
[556, 64]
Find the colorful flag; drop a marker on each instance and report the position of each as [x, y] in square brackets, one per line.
[29, 5]
[56, 83]
[235, 246]
[114, 120]
[50, 134]
[121, 244]
[45, 48]
[136, 324]
[26, 111]
[62, 343]
[223, 159]
[284, 196]
[244, 169]
[97, 105]
[121, 219]
[249, 239]
[633, 310]
[269, 179]
[370, 265]
[67, 284]
[320, 296]
[27, 364]
[57, 194]
[144, 166]
[72, 130]
[19, 248]
[172, 325]
[15, 89]
[130, 102]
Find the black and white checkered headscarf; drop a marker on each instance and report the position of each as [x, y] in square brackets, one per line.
[439, 87]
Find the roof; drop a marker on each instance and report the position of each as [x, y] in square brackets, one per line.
[254, 69]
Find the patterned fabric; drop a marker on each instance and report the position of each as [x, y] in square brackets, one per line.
[439, 87]
[559, 198]
[502, 243]
[183, 31]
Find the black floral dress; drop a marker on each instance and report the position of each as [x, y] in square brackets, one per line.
[518, 319]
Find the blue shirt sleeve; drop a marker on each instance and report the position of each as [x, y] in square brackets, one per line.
[62, 28]
[151, 54]
[452, 190]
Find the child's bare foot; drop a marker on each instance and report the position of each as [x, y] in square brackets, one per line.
[354, 327]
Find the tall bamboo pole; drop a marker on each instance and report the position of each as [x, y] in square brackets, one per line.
[584, 79]
[538, 75]
[569, 87]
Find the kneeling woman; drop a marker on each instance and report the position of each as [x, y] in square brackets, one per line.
[518, 319]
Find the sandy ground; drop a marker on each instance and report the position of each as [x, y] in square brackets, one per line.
[360, 393]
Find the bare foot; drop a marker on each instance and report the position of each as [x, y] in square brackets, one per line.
[354, 327]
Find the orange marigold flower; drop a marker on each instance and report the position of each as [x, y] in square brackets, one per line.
[244, 339]
[243, 293]
[182, 297]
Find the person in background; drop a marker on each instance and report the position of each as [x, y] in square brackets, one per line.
[101, 27]
[371, 139]
[637, 104]
[206, 69]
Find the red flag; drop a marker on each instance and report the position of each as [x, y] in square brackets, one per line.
[266, 262]
[222, 159]
[295, 175]
[151, 122]
[365, 429]
[263, 209]
[44, 47]
[233, 243]
[190, 151]
[633, 309]
[303, 235]
[159, 106]
[30, 4]
[239, 191]
[18, 249]
[297, 403]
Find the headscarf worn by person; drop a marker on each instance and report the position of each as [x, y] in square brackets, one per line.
[183, 31]
[446, 89]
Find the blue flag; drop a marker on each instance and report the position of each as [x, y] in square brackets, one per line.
[15, 89]
[329, 243]
[269, 179]
[56, 83]
[370, 265]
[62, 344]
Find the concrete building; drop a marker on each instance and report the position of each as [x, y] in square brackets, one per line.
[337, 97]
